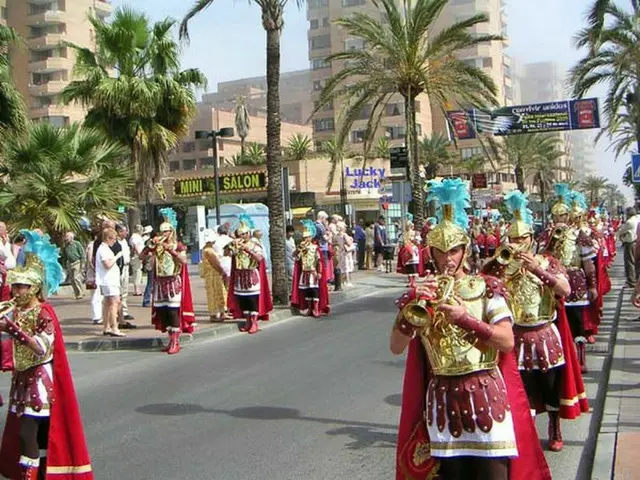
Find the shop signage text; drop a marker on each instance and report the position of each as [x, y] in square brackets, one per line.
[229, 183]
[358, 174]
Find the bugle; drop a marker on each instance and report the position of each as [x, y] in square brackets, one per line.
[417, 313]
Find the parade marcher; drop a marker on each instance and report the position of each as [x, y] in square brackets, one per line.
[325, 243]
[410, 258]
[43, 435]
[574, 249]
[7, 262]
[537, 285]
[309, 292]
[215, 279]
[172, 307]
[249, 294]
[464, 409]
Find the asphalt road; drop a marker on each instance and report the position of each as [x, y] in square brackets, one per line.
[304, 399]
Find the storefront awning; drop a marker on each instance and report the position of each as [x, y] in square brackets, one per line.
[300, 211]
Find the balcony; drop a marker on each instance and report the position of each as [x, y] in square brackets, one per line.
[52, 64]
[46, 41]
[47, 89]
[50, 17]
[102, 7]
[47, 111]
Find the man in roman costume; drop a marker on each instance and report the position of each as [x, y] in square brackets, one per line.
[464, 409]
[537, 286]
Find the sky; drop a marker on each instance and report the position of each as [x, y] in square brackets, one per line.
[228, 43]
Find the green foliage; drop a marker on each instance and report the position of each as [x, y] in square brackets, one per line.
[135, 91]
[13, 116]
[592, 186]
[435, 152]
[612, 40]
[336, 153]
[253, 155]
[54, 176]
[299, 147]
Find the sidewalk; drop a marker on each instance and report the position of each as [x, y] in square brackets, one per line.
[618, 443]
[81, 334]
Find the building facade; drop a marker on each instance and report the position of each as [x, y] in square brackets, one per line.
[326, 38]
[296, 104]
[42, 67]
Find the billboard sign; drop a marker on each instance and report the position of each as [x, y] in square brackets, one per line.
[535, 118]
[229, 183]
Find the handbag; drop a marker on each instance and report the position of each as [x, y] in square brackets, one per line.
[6, 353]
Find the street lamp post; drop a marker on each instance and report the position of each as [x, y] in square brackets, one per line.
[213, 135]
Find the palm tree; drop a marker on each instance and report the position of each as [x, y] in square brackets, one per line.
[611, 38]
[403, 57]
[435, 151]
[336, 153]
[382, 148]
[299, 148]
[13, 117]
[520, 151]
[135, 91]
[544, 172]
[242, 120]
[55, 176]
[592, 186]
[254, 155]
[273, 23]
[613, 197]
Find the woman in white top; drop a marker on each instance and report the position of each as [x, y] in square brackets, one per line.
[108, 281]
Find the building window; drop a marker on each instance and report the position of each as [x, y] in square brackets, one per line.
[204, 145]
[313, 24]
[466, 153]
[417, 107]
[3, 13]
[189, 164]
[352, 3]
[188, 147]
[317, 4]
[318, 85]
[508, 92]
[323, 125]
[206, 163]
[351, 44]
[396, 132]
[174, 165]
[319, 63]
[321, 41]
[418, 129]
[487, 62]
[325, 22]
[57, 121]
[394, 109]
[357, 136]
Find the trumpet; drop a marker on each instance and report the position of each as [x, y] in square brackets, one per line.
[416, 312]
[7, 307]
[237, 245]
[558, 233]
[505, 255]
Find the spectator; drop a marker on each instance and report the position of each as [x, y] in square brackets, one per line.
[136, 242]
[369, 260]
[628, 234]
[215, 281]
[18, 249]
[74, 258]
[379, 242]
[108, 281]
[219, 247]
[148, 263]
[90, 278]
[124, 317]
[360, 238]
[290, 245]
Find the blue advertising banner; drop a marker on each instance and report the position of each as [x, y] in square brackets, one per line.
[635, 168]
[536, 118]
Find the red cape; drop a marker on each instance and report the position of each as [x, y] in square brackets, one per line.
[530, 463]
[67, 455]
[187, 314]
[573, 398]
[592, 314]
[404, 255]
[323, 290]
[265, 302]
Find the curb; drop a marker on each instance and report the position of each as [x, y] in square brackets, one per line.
[222, 330]
[606, 420]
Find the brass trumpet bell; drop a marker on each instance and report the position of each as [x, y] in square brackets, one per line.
[416, 313]
[505, 255]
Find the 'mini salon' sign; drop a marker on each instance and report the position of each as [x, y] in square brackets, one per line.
[359, 178]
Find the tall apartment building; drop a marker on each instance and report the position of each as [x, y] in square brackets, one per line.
[326, 38]
[42, 67]
[295, 96]
[3, 12]
[546, 82]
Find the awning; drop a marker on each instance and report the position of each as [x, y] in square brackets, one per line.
[300, 211]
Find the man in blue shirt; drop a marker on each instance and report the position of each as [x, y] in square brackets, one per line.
[379, 242]
[360, 237]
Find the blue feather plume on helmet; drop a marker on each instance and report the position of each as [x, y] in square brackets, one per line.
[170, 216]
[517, 204]
[48, 255]
[452, 192]
[310, 226]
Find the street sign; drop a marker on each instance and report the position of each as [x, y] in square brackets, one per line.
[401, 192]
[399, 161]
[635, 167]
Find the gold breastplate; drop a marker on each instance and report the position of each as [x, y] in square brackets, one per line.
[245, 261]
[166, 265]
[309, 258]
[450, 352]
[532, 303]
[566, 249]
[23, 357]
